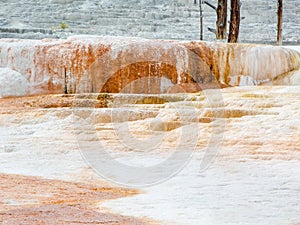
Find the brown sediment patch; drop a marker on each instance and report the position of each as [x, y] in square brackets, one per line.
[40, 101]
[56, 101]
[34, 200]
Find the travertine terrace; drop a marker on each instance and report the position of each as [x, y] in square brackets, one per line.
[255, 171]
[223, 120]
[84, 64]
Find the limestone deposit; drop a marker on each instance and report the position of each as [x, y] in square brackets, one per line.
[91, 64]
[12, 83]
[122, 130]
[254, 170]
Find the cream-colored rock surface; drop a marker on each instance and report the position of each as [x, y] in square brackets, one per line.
[96, 64]
[252, 177]
[12, 83]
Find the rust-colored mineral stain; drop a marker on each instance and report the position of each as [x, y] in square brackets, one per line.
[53, 62]
[136, 72]
[145, 77]
[33, 200]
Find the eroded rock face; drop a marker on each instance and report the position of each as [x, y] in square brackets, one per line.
[239, 65]
[90, 64]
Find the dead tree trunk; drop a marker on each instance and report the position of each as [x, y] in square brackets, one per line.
[279, 24]
[221, 23]
[234, 21]
[201, 20]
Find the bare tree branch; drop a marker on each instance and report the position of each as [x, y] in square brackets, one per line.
[210, 5]
[213, 30]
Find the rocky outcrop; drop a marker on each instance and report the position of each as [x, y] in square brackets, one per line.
[91, 64]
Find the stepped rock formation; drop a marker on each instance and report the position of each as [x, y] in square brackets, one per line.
[256, 170]
[132, 65]
[159, 19]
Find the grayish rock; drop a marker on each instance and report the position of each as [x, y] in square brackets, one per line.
[159, 19]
